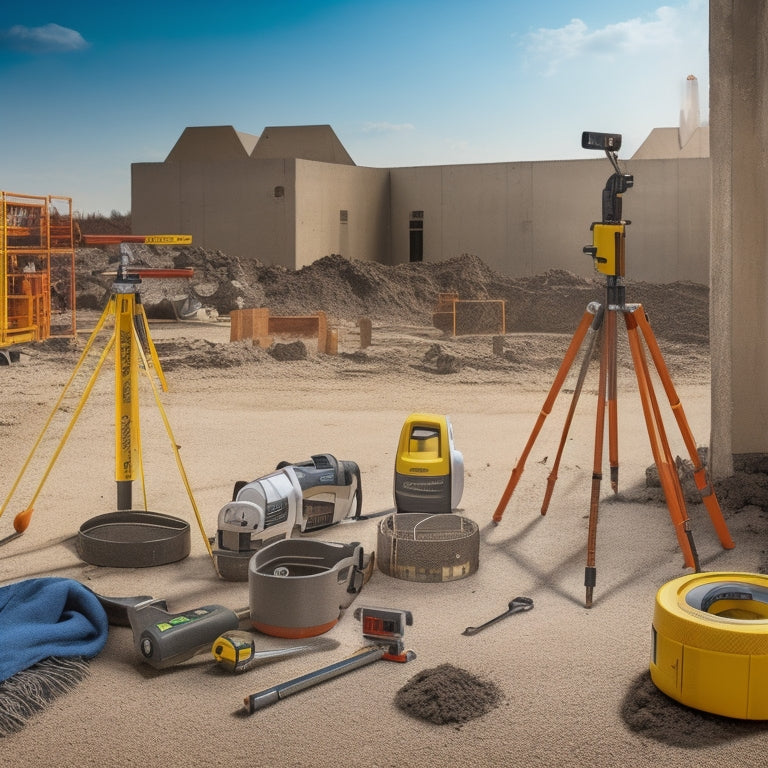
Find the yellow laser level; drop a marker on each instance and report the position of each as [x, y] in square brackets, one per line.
[607, 249]
[429, 471]
[608, 235]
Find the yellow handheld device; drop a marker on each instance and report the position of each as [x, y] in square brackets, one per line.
[429, 471]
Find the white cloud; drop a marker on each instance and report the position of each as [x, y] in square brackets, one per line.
[668, 29]
[50, 38]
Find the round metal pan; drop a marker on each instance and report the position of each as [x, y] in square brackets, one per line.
[133, 539]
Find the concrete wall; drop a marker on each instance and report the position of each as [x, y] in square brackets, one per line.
[739, 262]
[230, 206]
[233, 207]
[525, 218]
[322, 192]
[522, 219]
[669, 209]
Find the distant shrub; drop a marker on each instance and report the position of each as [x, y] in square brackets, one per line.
[98, 224]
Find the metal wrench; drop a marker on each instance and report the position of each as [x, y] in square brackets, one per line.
[515, 606]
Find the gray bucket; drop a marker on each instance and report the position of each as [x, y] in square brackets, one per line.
[298, 587]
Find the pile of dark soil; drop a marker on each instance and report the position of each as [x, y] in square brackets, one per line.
[649, 712]
[447, 694]
[405, 293]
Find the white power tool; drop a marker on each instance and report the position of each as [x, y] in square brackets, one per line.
[307, 496]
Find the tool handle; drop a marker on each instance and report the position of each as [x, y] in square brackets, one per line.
[516, 606]
[475, 630]
[272, 695]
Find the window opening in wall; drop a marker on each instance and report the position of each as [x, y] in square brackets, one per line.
[343, 217]
[279, 191]
[416, 236]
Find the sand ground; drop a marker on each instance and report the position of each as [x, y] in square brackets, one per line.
[575, 684]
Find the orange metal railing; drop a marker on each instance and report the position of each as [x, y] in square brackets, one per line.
[37, 268]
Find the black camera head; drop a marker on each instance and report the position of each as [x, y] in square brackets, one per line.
[609, 142]
[619, 182]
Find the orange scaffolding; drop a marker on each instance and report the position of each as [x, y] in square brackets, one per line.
[37, 269]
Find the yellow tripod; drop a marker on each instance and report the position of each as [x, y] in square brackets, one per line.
[608, 253]
[132, 343]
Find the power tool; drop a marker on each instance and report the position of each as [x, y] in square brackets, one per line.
[164, 639]
[429, 471]
[306, 495]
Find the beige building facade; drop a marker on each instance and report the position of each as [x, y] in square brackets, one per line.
[293, 195]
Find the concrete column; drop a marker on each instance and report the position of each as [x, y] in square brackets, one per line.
[738, 52]
[365, 332]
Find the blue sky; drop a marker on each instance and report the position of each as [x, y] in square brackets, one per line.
[87, 88]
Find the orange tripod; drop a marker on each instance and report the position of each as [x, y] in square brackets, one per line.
[608, 252]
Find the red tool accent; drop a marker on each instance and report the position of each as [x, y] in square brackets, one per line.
[169, 272]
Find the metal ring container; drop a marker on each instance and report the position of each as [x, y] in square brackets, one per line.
[133, 539]
[428, 548]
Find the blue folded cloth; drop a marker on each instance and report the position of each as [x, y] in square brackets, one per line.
[48, 617]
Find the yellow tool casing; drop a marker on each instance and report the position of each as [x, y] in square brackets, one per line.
[710, 643]
[233, 650]
[608, 251]
[429, 471]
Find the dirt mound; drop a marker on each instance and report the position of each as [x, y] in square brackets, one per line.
[447, 694]
[405, 293]
[652, 714]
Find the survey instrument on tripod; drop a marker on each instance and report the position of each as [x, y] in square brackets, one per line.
[608, 252]
[133, 351]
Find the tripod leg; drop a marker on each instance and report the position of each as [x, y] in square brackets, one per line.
[133, 332]
[700, 474]
[593, 330]
[590, 572]
[126, 400]
[612, 400]
[175, 447]
[570, 355]
[142, 328]
[23, 518]
[662, 455]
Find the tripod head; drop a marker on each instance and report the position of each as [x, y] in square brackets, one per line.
[607, 249]
[619, 182]
[125, 282]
